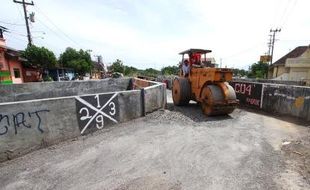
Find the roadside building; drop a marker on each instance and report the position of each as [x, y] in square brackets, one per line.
[98, 70]
[11, 70]
[31, 74]
[294, 66]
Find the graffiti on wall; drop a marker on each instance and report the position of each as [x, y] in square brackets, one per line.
[16, 121]
[96, 111]
[296, 98]
[249, 94]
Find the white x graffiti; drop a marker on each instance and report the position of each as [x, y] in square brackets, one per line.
[98, 111]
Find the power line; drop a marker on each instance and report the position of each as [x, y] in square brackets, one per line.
[50, 45]
[285, 19]
[14, 24]
[14, 36]
[53, 31]
[19, 11]
[16, 39]
[285, 11]
[281, 19]
[16, 33]
[243, 51]
[64, 34]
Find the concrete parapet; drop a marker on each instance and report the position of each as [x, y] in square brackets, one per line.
[41, 90]
[287, 100]
[271, 81]
[29, 124]
[275, 98]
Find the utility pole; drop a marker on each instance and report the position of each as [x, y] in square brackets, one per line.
[26, 18]
[269, 45]
[272, 40]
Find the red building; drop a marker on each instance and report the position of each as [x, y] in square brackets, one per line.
[11, 67]
[11, 70]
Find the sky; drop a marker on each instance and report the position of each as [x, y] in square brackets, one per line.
[151, 33]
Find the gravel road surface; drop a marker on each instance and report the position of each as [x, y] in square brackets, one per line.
[176, 148]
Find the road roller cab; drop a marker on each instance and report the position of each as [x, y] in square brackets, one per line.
[204, 84]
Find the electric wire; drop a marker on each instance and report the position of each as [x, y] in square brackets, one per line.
[288, 14]
[53, 31]
[13, 24]
[64, 34]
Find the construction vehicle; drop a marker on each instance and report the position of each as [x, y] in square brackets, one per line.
[205, 84]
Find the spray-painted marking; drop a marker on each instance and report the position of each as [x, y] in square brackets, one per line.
[91, 113]
[249, 94]
[16, 121]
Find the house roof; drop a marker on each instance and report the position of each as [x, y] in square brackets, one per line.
[298, 51]
[8, 48]
[11, 52]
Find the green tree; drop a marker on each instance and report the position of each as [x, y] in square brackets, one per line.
[80, 60]
[170, 70]
[258, 70]
[150, 72]
[39, 57]
[240, 72]
[117, 66]
[130, 71]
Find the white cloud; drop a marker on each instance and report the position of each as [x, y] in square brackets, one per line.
[152, 33]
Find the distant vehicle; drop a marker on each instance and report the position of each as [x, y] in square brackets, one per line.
[63, 78]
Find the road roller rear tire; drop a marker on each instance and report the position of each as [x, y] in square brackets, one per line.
[181, 91]
[211, 95]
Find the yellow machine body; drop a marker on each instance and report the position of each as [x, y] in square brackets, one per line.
[207, 86]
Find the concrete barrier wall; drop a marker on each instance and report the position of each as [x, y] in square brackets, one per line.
[155, 97]
[29, 91]
[168, 80]
[287, 100]
[153, 94]
[31, 124]
[275, 98]
[286, 82]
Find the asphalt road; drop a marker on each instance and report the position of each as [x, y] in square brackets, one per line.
[176, 148]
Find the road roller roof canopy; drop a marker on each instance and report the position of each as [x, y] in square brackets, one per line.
[201, 51]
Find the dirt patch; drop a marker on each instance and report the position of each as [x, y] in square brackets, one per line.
[297, 153]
